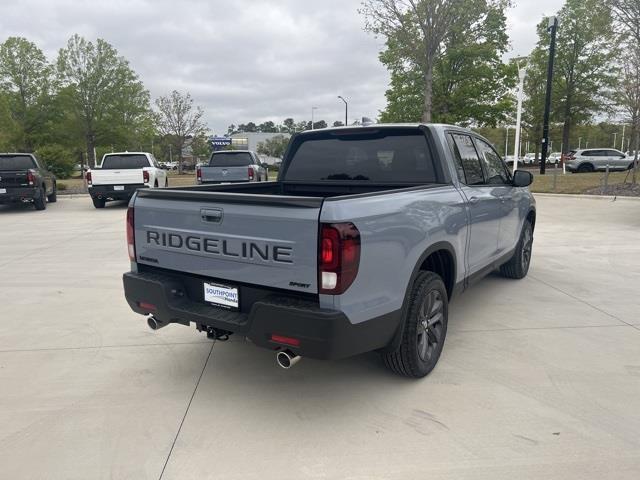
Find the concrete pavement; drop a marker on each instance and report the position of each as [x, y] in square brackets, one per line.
[539, 378]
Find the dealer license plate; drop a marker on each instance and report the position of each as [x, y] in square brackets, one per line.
[118, 187]
[221, 295]
[3, 190]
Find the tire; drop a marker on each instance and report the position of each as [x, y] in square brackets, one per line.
[98, 203]
[53, 198]
[424, 331]
[166, 183]
[41, 202]
[585, 168]
[518, 266]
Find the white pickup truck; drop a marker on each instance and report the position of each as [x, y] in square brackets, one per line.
[121, 174]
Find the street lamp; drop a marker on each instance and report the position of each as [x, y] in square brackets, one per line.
[522, 73]
[346, 110]
[615, 138]
[313, 109]
[553, 28]
[579, 143]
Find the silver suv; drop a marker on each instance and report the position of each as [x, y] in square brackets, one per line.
[594, 159]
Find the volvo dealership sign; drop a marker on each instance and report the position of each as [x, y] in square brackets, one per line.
[218, 143]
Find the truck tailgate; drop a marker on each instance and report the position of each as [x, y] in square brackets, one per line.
[116, 177]
[264, 240]
[13, 178]
[225, 174]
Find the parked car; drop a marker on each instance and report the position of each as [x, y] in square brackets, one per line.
[529, 159]
[554, 158]
[229, 166]
[592, 159]
[24, 178]
[121, 174]
[358, 246]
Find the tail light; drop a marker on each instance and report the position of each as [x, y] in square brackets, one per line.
[30, 177]
[88, 176]
[145, 176]
[251, 174]
[131, 241]
[338, 257]
[199, 175]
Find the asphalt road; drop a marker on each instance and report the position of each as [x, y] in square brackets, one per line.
[539, 378]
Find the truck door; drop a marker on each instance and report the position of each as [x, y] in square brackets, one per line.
[498, 177]
[483, 203]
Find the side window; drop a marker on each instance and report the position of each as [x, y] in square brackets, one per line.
[497, 173]
[466, 158]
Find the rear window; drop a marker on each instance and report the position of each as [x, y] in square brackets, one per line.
[124, 162]
[383, 156]
[229, 159]
[16, 162]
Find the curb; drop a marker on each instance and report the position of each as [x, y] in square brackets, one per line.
[582, 195]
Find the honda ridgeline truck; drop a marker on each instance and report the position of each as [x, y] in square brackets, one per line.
[229, 166]
[359, 245]
[121, 174]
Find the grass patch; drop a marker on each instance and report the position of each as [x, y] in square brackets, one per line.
[575, 183]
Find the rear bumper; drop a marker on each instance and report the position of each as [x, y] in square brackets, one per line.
[107, 192]
[323, 333]
[18, 194]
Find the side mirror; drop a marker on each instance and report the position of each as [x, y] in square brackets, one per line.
[522, 178]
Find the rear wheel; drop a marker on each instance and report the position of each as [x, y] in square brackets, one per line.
[98, 202]
[53, 198]
[585, 168]
[424, 331]
[41, 202]
[518, 266]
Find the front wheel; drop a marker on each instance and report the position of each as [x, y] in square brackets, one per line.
[424, 331]
[518, 266]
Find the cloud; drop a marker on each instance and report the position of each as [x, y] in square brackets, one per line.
[244, 60]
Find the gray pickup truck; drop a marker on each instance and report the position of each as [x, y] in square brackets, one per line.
[358, 246]
[232, 166]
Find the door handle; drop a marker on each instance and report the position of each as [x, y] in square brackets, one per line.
[213, 215]
[473, 200]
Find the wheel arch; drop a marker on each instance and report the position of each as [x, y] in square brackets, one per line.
[439, 258]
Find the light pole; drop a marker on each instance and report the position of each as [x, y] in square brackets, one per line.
[553, 27]
[346, 110]
[522, 73]
[579, 143]
[622, 141]
[313, 109]
[615, 137]
[506, 144]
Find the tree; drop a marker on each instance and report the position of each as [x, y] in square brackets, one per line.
[274, 146]
[584, 75]
[289, 125]
[177, 116]
[470, 84]
[626, 14]
[417, 29]
[319, 124]
[97, 78]
[26, 77]
[267, 127]
[338, 123]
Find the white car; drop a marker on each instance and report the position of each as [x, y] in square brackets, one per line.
[121, 174]
[592, 159]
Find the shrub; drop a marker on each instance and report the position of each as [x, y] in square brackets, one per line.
[58, 160]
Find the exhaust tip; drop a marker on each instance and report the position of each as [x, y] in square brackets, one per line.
[154, 323]
[286, 359]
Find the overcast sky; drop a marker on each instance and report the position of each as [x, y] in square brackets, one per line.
[241, 60]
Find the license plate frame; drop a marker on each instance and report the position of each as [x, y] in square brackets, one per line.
[223, 296]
